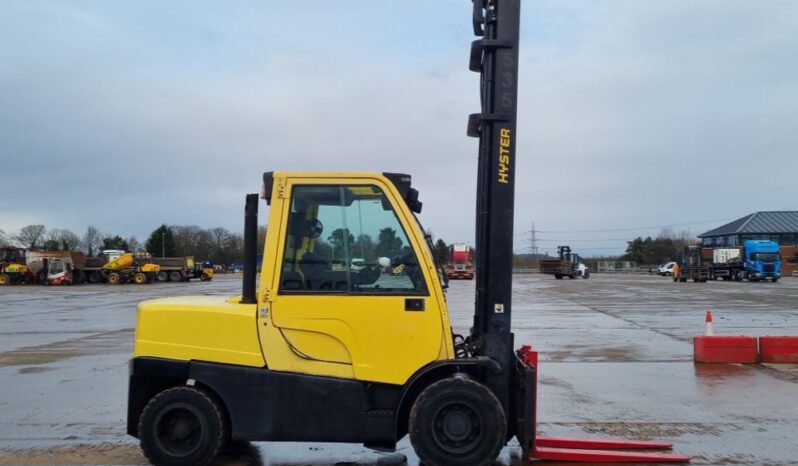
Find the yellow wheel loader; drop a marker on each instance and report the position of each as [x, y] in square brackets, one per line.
[12, 266]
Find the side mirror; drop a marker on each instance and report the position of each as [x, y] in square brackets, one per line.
[384, 262]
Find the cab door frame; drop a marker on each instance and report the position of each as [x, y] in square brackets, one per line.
[371, 357]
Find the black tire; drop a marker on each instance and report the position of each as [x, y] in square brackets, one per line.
[175, 276]
[457, 422]
[181, 426]
[558, 277]
[586, 275]
[95, 277]
[163, 276]
[774, 279]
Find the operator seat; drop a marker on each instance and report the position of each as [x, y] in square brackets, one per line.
[319, 276]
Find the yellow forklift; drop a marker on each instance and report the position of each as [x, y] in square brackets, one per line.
[322, 351]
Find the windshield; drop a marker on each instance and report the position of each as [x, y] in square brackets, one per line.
[56, 267]
[766, 256]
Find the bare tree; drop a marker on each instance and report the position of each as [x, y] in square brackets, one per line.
[31, 235]
[4, 241]
[64, 240]
[69, 240]
[133, 243]
[92, 240]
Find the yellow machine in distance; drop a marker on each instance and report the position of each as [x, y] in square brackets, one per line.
[12, 266]
[130, 267]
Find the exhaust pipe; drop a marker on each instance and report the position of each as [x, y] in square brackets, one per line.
[250, 249]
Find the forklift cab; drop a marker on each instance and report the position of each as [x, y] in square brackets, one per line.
[10, 255]
[59, 273]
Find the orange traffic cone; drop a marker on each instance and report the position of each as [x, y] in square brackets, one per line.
[709, 330]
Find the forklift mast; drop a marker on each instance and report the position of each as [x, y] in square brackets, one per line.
[495, 57]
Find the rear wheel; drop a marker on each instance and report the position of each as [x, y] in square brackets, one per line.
[114, 278]
[175, 276]
[163, 276]
[140, 278]
[457, 422]
[4, 279]
[181, 426]
[95, 277]
[558, 277]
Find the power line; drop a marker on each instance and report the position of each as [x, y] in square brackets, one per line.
[651, 227]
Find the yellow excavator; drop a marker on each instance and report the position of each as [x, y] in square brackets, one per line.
[137, 268]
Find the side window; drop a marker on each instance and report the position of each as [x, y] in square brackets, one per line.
[347, 239]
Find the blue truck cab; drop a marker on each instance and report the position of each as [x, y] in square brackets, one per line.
[762, 260]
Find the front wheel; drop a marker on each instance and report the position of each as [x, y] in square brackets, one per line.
[181, 426]
[114, 278]
[457, 422]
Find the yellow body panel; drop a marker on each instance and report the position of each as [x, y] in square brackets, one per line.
[368, 337]
[202, 328]
[127, 261]
[15, 268]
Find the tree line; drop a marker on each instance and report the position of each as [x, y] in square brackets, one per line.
[217, 245]
[665, 247]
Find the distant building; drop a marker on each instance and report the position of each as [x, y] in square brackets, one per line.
[780, 227]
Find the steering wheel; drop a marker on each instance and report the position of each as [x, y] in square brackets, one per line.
[314, 228]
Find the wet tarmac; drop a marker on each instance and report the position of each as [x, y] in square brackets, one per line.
[616, 358]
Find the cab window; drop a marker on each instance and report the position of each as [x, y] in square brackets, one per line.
[347, 239]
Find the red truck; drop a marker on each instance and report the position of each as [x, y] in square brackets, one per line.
[461, 262]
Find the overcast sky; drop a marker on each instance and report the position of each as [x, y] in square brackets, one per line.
[633, 115]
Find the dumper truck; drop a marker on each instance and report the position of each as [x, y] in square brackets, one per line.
[13, 267]
[129, 267]
[567, 264]
[757, 260]
[175, 269]
[461, 262]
